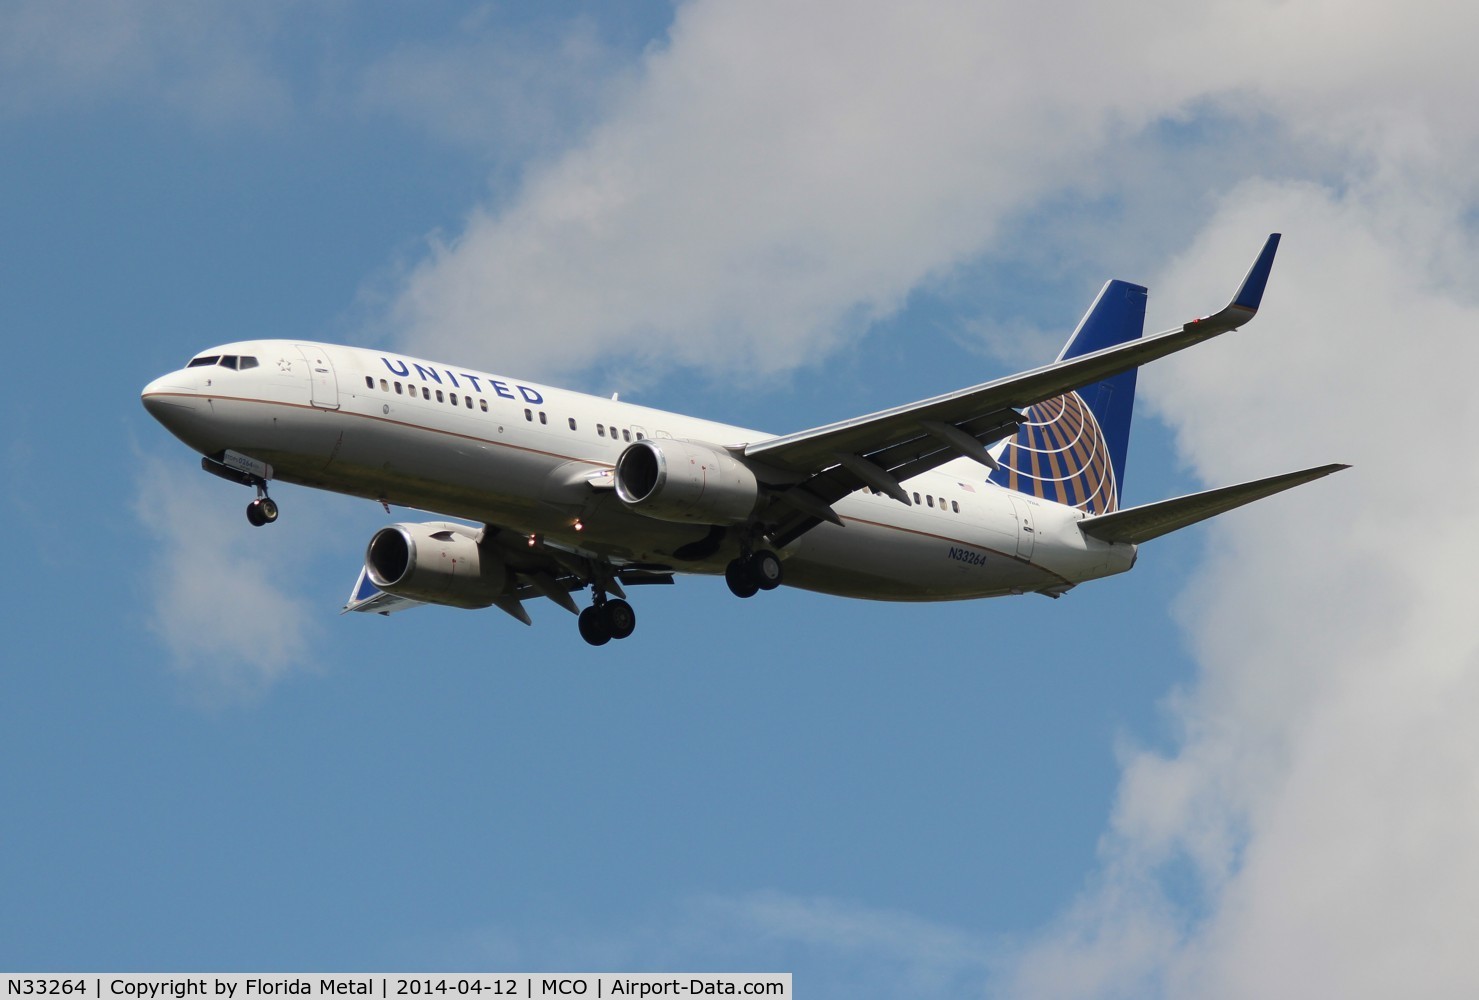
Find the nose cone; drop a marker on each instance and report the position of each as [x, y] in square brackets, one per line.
[172, 401]
[165, 392]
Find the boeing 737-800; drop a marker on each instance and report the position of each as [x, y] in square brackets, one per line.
[1008, 487]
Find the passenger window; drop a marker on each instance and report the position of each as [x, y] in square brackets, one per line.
[930, 501]
[529, 415]
[640, 436]
[626, 435]
[955, 506]
[484, 404]
[369, 382]
[572, 423]
[468, 401]
[384, 386]
[600, 430]
[398, 389]
[425, 393]
[916, 498]
[542, 419]
[452, 398]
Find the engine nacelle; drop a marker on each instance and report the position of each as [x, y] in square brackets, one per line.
[685, 481]
[437, 562]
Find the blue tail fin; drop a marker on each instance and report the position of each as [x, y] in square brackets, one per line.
[1071, 449]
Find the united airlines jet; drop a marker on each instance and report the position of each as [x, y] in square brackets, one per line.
[1008, 487]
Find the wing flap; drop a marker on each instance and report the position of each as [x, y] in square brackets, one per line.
[1140, 524]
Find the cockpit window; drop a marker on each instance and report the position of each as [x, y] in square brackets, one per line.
[235, 361]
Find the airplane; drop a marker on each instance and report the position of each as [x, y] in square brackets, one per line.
[1012, 486]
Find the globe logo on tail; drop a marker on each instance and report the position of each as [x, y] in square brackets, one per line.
[1060, 454]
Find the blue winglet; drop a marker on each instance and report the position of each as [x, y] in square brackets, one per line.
[1244, 305]
[1250, 293]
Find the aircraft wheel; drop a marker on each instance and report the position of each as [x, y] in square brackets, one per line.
[593, 627]
[742, 582]
[262, 510]
[765, 569]
[619, 618]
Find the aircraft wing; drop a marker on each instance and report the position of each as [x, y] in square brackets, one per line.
[881, 449]
[1141, 524]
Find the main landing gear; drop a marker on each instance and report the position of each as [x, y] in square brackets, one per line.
[753, 572]
[606, 619]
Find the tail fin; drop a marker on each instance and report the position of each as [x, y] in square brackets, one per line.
[1071, 449]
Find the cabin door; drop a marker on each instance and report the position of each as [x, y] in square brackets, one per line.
[323, 383]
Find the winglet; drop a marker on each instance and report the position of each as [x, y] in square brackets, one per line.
[1244, 304]
[1250, 293]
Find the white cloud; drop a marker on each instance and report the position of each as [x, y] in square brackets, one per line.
[231, 628]
[777, 177]
[1325, 792]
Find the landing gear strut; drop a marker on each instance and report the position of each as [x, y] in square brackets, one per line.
[606, 619]
[752, 573]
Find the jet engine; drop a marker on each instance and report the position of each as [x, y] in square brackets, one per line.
[438, 562]
[685, 481]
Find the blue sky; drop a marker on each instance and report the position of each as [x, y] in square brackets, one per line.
[1193, 779]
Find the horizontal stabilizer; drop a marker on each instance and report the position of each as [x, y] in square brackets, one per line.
[1141, 524]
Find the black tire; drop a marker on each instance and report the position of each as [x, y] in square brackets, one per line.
[741, 580]
[255, 514]
[619, 618]
[765, 569]
[593, 627]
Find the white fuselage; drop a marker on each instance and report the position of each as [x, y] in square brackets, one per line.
[536, 460]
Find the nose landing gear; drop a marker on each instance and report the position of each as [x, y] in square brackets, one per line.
[248, 472]
[262, 510]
